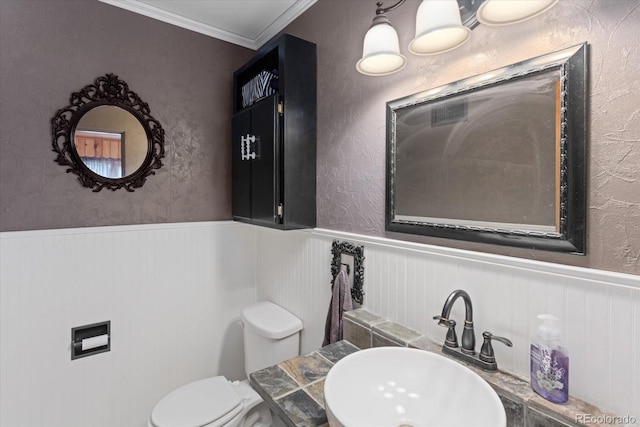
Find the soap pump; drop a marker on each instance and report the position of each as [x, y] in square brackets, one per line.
[549, 362]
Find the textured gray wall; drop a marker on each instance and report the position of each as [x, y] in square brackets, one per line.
[49, 49]
[351, 108]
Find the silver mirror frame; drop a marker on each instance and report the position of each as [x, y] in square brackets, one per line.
[572, 65]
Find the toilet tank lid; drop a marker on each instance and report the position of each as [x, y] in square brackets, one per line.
[270, 320]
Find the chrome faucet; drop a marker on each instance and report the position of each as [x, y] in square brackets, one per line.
[467, 352]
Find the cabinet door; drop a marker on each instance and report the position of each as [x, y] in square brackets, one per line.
[254, 167]
[241, 166]
[264, 201]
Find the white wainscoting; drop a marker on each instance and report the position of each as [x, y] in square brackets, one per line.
[408, 283]
[176, 290]
[173, 293]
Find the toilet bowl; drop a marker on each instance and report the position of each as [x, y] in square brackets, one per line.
[271, 335]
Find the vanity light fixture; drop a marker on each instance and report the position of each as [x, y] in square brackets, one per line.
[381, 50]
[505, 12]
[439, 28]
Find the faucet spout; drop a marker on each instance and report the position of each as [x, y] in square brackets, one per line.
[468, 335]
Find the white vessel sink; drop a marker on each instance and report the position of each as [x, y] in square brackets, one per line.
[404, 387]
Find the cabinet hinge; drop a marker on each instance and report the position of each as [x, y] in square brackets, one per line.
[280, 210]
[280, 108]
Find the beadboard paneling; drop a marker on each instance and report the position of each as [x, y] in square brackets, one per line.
[173, 294]
[294, 271]
[173, 311]
[408, 283]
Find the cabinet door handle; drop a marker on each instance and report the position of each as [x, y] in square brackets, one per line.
[248, 147]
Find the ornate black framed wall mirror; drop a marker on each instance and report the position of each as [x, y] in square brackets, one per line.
[107, 136]
[349, 257]
[495, 158]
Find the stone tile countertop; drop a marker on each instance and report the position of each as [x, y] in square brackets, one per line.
[294, 389]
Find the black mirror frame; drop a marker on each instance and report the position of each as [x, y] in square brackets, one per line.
[357, 252]
[106, 90]
[572, 63]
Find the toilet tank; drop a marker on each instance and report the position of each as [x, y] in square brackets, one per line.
[271, 335]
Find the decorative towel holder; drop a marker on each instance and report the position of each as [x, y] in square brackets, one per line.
[338, 249]
[346, 268]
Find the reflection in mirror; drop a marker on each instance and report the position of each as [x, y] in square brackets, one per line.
[349, 257]
[100, 138]
[107, 136]
[496, 158]
[102, 152]
[479, 173]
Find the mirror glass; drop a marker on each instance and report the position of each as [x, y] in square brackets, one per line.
[110, 141]
[485, 158]
[496, 158]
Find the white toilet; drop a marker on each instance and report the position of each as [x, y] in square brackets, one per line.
[271, 335]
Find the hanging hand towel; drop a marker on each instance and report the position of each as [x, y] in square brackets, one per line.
[340, 302]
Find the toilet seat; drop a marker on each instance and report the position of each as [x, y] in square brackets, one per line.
[211, 402]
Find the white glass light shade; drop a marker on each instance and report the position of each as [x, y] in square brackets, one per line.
[504, 12]
[438, 28]
[381, 51]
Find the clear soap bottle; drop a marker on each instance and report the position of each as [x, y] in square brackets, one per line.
[549, 362]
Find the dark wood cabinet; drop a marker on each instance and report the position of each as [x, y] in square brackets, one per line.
[274, 136]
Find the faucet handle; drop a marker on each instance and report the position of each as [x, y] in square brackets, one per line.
[442, 321]
[451, 340]
[486, 352]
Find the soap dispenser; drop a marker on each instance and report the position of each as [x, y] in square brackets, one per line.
[549, 362]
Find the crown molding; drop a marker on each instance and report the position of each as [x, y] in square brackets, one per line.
[299, 7]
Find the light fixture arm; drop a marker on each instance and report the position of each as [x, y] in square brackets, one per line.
[381, 10]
